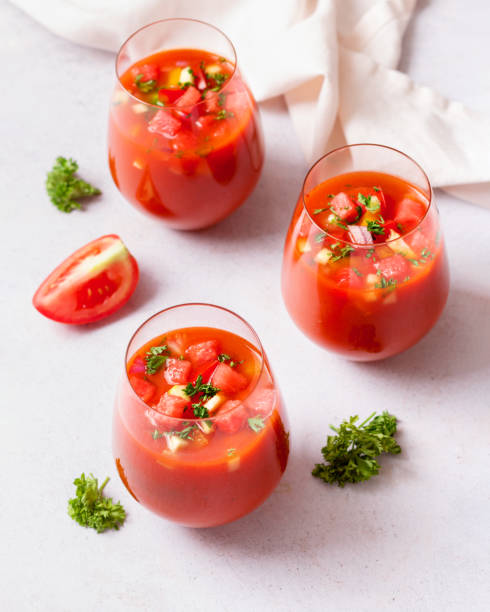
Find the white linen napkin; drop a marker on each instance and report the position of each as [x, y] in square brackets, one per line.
[326, 57]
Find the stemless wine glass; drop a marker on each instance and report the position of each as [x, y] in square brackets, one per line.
[204, 471]
[188, 162]
[337, 291]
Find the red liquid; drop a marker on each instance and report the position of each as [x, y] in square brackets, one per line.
[214, 477]
[201, 168]
[369, 301]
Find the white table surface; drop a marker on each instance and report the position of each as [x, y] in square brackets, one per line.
[414, 538]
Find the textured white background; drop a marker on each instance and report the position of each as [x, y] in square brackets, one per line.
[414, 538]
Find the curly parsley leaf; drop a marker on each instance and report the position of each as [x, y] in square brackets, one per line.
[64, 189]
[155, 358]
[375, 227]
[350, 455]
[202, 392]
[91, 509]
[145, 86]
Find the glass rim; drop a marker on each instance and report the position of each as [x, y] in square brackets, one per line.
[192, 420]
[174, 19]
[357, 245]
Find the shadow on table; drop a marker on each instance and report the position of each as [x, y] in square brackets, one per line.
[458, 345]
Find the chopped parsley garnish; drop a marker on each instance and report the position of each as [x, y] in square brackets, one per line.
[91, 509]
[230, 451]
[256, 423]
[356, 271]
[359, 214]
[64, 188]
[219, 78]
[371, 203]
[350, 455]
[221, 99]
[320, 237]
[370, 253]
[376, 189]
[375, 227]
[145, 86]
[184, 433]
[202, 392]
[224, 114]
[223, 357]
[342, 252]
[155, 358]
[317, 211]
[385, 283]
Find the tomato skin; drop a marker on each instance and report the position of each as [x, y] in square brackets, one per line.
[90, 284]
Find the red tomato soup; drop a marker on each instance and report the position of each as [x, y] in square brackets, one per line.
[199, 431]
[365, 271]
[185, 143]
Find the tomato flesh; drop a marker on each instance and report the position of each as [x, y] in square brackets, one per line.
[91, 284]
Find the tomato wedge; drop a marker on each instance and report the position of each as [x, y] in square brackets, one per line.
[92, 283]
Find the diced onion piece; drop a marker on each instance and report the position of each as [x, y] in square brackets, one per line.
[233, 464]
[399, 245]
[139, 108]
[206, 427]
[175, 442]
[323, 256]
[360, 235]
[186, 76]
[138, 164]
[179, 391]
[303, 245]
[212, 69]
[215, 402]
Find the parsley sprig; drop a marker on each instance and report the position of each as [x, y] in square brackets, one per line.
[201, 392]
[145, 86]
[64, 188]
[375, 227]
[155, 358]
[350, 455]
[223, 358]
[91, 509]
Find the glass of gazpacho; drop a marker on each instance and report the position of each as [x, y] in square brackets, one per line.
[365, 272]
[185, 141]
[200, 432]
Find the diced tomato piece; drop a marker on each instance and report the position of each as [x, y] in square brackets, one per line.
[177, 371]
[262, 402]
[164, 123]
[172, 405]
[228, 380]
[144, 389]
[344, 207]
[189, 98]
[347, 277]
[170, 95]
[408, 214]
[185, 141]
[231, 417]
[207, 372]
[138, 366]
[150, 72]
[211, 103]
[396, 267]
[203, 352]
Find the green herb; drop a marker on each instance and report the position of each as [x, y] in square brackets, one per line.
[350, 455]
[230, 452]
[320, 237]
[256, 423]
[223, 357]
[182, 433]
[414, 261]
[371, 203]
[399, 227]
[200, 411]
[222, 60]
[331, 195]
[376, 189]
[385, 283]
[343, 252]
[356, 271]
[155, 358]
[338, 222]
[406, 279]
[375, 228]
[359, 214]
[219, 78]
[221, 99]
[64, 188]
[91, 509]
[370, 253]
[317, 211]
[224, 114]
[145, 86]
